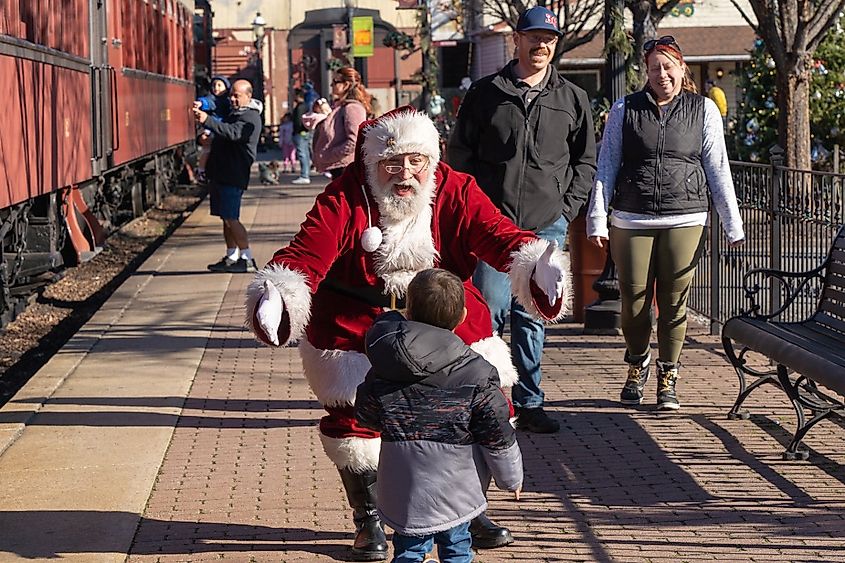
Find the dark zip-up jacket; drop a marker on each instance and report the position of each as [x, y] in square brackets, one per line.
[534, 163]
[234, 146]
[437, 403]
[661, 170]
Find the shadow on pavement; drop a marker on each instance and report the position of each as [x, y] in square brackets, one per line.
[47, 534]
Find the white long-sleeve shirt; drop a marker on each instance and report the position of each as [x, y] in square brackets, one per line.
[714, 161]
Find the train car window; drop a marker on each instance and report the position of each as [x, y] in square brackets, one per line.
[126, 21]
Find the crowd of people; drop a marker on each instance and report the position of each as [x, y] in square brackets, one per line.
[402, 277]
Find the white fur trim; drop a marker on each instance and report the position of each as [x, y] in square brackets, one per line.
[400, 133]
[406, 249]
[497, 352]
[296, 296]
[523, 262]
[356, 454]
[334, 375]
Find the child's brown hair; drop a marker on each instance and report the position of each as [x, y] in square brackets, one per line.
[436, 297]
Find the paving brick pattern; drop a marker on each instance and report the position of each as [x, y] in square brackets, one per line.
[245, 478]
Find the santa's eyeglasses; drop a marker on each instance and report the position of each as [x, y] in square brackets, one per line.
[414, 163]
[665, 40]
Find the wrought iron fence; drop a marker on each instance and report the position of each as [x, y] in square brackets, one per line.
[791, 217]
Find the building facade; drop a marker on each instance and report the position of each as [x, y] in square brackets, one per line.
[298, 46]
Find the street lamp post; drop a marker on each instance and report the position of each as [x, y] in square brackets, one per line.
[604, 315]
[259, 25]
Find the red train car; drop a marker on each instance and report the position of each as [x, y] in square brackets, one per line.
[96, 123]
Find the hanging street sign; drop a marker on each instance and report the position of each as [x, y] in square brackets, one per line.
[362, 36]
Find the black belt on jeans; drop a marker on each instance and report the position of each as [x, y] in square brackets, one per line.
[370, 295]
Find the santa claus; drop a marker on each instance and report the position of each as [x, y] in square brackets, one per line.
[395, 211]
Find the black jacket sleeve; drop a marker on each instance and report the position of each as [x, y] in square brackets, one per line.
[460, 153]
[239, 130]
[582, 150]
[490, 420]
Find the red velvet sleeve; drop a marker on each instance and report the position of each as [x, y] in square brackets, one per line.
[322, 237]
[488, 234]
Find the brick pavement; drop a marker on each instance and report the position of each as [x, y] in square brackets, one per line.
[226, 431]
[245, 478]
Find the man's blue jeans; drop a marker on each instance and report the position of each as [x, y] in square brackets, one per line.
[453, 546]
[303, 153]
[527, 333]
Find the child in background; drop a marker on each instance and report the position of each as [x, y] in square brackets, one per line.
[319, 111]
[216, 104]
[435, 401]
[286, 143]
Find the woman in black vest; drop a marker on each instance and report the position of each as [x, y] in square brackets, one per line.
[662, 163]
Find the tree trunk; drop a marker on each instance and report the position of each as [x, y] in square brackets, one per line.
[793, 87]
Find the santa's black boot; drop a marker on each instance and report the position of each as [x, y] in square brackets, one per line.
[485, 533]
[370, 543]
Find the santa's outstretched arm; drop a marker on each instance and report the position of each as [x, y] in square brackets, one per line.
[278, 305]
[297, 269]
[538, 270]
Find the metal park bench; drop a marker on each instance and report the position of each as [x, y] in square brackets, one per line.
[809, 355]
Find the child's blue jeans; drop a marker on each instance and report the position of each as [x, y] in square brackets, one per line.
[453, 546]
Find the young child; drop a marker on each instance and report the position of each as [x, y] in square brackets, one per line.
[435, 401]
[286, 143]
[319, 111]
[216, 104]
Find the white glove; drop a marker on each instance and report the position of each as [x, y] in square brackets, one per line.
[549, 274]
[269, 312]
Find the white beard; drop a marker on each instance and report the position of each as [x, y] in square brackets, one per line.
[397, 208]
[407, 247]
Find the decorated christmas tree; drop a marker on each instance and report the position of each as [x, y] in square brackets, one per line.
[827, 96]
[756, 126]
[755, 129]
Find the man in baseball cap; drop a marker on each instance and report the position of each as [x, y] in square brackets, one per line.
[539, 18]
[526, 134]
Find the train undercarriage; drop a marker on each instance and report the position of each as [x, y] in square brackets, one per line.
[46, 234]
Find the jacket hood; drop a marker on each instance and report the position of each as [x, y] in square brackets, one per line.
[405, 351]
[224, 80]
[257, 105]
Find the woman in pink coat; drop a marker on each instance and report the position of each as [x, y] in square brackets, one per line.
[335, 136]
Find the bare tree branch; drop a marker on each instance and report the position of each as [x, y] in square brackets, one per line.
[745, 16]
[825, 16]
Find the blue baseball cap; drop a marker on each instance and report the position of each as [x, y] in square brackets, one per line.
[538, 17]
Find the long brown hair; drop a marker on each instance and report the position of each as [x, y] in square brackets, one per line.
[687, 83]
[356, 90]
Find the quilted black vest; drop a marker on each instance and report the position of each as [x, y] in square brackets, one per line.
[661, 170]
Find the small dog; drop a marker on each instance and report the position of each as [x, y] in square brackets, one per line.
[268, 172]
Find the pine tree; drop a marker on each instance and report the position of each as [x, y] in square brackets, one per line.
[827, 96]
[755, 128]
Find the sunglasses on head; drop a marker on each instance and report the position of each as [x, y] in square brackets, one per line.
[665, 40]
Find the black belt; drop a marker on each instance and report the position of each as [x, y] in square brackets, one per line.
[368, 294]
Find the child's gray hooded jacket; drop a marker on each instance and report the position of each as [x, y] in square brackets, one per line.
[433, 398]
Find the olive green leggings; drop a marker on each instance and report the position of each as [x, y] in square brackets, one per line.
[661, 260]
